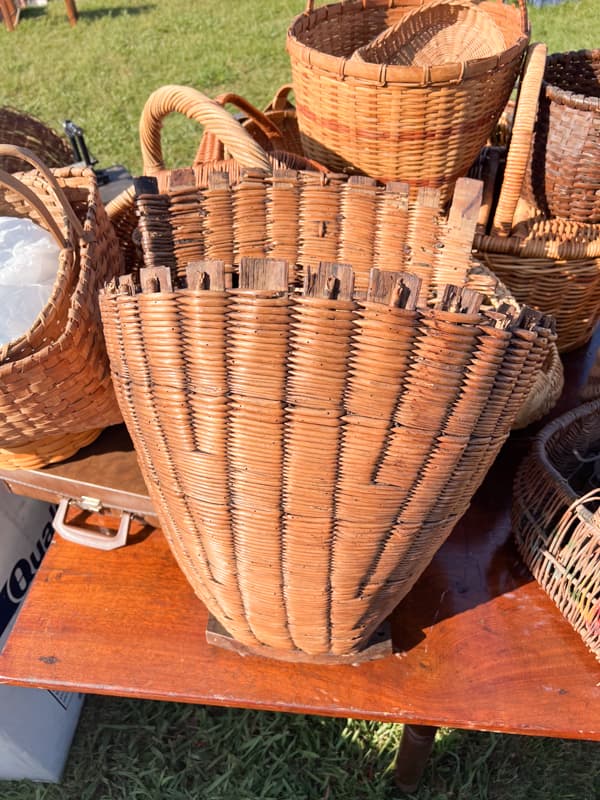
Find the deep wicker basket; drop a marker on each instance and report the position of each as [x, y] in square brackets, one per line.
[23, 130]
[420, 124]
[556, 517]
[563, 174]
[549, 264]
[55, 389]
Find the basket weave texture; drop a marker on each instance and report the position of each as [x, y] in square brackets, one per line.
[552, 264]
[309, 450]
[420, 124]
[556, 517]
[563, 174]
[55, 388]
[442, 32]
[23, 130]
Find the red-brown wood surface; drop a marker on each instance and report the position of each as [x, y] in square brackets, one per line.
[480, 644]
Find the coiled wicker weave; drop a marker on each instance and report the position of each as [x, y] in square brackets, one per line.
[309, 449]
[55, 389]
[549, 264]
[24, 130]
[556, 517]
[420, 124]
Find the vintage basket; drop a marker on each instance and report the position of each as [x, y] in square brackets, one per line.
[420, 124]
[549, 264]
[563, 174]
[24, 130]
[310, 435]
[556, 517]
[55, 389]
[440, 32]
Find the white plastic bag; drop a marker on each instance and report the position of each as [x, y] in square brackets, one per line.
[28, 267]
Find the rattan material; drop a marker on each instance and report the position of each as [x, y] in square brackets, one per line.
[556, 520]
[24, 130]
[545, 393]
[549, 264]
[441, 32]
[591, 388]
[564, 169]
[308, 455]
[420, 124]
[55, 387]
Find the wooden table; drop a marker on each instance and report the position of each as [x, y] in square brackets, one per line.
[478, 643]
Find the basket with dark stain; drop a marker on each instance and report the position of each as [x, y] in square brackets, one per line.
[55, 389]
[556, 517]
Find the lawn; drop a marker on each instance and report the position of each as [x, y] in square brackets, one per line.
[99, 74]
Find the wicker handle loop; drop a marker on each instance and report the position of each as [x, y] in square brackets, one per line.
[520, 139]
[281, 99]
[197, 106]
[30, 197]
[211, 149]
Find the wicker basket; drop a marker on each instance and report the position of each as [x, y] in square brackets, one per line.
[55, 388]
[556, 517]
[441, 32]
[563, 174]
[420, 124]
[549, 264]
[309, 450]
[23, 130]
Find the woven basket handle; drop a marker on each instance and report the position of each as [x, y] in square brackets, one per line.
[521, 136]
[197, 106]
[34, 201]
[212, 150]
[281, 99]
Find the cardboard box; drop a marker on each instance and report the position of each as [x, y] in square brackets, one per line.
[36, 726]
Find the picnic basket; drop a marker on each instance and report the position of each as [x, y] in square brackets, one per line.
[24, 130]
[547, 263]
[556, 517]
[563, 173]
[311, 434]
[55, 388]
[420, 124]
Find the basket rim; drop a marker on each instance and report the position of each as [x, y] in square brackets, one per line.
[566, 97]
[343, 67]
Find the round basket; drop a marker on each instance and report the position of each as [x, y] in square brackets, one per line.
[421, 124]
[442, 32]
[549, 264]
[23, 130]
[564, 172]
[556, 517]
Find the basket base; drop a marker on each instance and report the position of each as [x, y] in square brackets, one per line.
[379, 646]
[45, 451]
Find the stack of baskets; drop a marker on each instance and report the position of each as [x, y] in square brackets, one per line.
[556, 517]
[544, 242]
[417, 103]
[56, 393]
[309, 431]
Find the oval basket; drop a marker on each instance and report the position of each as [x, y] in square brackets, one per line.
[420, 124]
[55, 389]
[442, 32]
[549, 264]
[563, 175]
[556, 517]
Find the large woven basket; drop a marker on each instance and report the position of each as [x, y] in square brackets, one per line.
[309, 449]
[563, 174]
[23, 130]
[55, 389]
[420, 124]
[556, 517]
[549, 264]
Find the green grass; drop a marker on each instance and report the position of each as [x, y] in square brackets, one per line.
[141, 750]
[99, 74]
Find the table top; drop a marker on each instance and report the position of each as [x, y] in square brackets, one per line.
[478, 643]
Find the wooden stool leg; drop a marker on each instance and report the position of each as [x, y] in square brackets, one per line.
[415, 748]
[72, 13]
[9, 14]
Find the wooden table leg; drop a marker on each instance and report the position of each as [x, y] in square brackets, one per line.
[72, 12]
[415, 748]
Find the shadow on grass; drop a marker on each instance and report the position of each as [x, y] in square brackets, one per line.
[115, 11]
